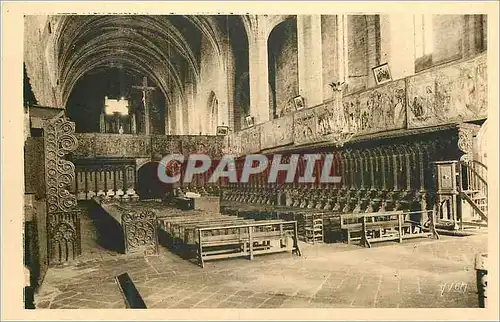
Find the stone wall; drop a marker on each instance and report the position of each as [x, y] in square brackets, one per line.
[283, 67]
[36, 34]
[329, 54]
[34, 168]
[448, 31]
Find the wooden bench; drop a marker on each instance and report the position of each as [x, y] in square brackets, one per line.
[248, 239]
[314, 225]
[380, 226]
[218, 236]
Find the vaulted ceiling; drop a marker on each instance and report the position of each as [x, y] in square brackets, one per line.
[166, 49]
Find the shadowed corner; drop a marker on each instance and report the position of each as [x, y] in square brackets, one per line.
[133, 300]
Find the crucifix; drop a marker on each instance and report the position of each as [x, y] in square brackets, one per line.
[145, 89]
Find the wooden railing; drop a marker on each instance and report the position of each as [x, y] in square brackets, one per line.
[473, 185]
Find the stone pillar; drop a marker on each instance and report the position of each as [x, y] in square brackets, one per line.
[397, 44]
[133, 125]
[189, 94]
[258, 69]
[171, 117]
[310, 58]
[179, 123]
[373, 40]
[342, 48]
[147, 119]
[102, 122]
[168, 117]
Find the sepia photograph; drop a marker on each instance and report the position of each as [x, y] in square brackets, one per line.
[350, 195]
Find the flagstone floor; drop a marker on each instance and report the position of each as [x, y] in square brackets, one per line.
[422, 273]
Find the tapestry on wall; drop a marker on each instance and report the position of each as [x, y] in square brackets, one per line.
[454, 93]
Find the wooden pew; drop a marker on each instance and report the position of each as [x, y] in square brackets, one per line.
[250, 239]
[380, 226]
[219, 236]
[314, 225]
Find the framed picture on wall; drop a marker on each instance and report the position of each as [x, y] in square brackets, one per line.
[250, 121]
[299, 102]
[222, 130]
[382, 74]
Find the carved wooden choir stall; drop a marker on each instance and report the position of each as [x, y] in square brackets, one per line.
[406, 167]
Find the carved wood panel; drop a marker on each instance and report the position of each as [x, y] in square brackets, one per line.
[63, 222]
[140, 231]
[204, 144]
[163, 145]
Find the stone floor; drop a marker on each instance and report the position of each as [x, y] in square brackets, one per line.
[423, 273]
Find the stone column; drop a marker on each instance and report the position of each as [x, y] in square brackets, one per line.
[133, 124]
[102, 122]
[179, 116]
[258, 69]
[147, 119]
[189, 94]
[310, 58]
[342, 48]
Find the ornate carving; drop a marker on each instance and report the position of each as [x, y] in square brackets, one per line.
[86, 145]
[277, 132]
[454, 93]
[305, 123]
[63, 220]
[465, 140]
[376, 110]
[163, 145]
[123, 145]
[140, 231]
[250, 140]
[59, 173]
[64, 236]
[209, 145]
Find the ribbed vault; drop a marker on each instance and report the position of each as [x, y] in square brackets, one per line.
[166, 49]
